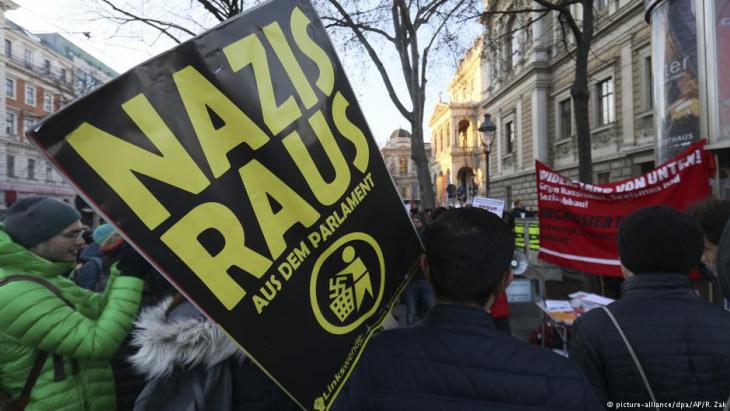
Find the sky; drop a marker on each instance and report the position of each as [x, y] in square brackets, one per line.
[121, 51]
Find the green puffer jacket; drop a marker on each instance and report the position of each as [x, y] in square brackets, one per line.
[32, 318]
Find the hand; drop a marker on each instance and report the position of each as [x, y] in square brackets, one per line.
[131, 263]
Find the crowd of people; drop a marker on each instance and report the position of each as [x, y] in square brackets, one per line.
[92, 326]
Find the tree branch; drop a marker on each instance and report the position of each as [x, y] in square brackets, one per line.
[156, 24]
[373, 56]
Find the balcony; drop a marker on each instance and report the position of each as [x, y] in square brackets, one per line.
[43, 71]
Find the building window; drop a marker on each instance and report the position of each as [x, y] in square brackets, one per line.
[509, 135]
[648, 92]
[601, 4]
[10, 88]
[403, 165]
[63, 75]
[513, 38]
[49, 173]
[31, 169]
[10, 124]
[30, 95]
[28, 122]
[28, 58]
[646, 167]
[606, 108]
[566, 121]
[8, 48]
[603, 178]
[10, 166]
[47, 102]
[47, 66]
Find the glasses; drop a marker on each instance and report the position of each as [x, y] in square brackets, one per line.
[75, 234]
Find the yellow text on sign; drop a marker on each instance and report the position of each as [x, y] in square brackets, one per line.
[175, 167]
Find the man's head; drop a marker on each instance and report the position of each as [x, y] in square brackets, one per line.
[48, 228]
[712, 214]
[419, 220]
[468, 256]
[659, 239]
[519, 204]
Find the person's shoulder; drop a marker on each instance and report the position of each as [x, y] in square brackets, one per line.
[395, 339]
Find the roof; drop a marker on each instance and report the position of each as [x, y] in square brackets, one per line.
[400, 133]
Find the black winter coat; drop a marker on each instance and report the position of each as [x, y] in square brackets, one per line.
[682, 342]
[458, 360]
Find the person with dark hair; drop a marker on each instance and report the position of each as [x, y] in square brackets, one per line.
[723, 262]
[418, 295]
[712, 214]
[457, 359]
[660, 341]
[57, 338]
[437, 213]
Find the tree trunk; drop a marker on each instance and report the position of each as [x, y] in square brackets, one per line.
[581, 94]
[423, 166]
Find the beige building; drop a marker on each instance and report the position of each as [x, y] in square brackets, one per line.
[397, 156]
[526, 75]
[457, 151]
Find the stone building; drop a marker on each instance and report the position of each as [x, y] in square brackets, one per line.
[39, 80]
[397, 156]
[526, 75]
[457, 150]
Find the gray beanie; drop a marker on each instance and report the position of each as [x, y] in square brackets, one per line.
[33, 220]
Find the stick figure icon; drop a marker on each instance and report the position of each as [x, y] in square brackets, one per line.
[359, 272]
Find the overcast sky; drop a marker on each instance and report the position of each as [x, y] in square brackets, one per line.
[72, 18]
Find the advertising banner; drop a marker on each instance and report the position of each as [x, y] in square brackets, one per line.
[676, 82]
[241, 166]
[492, 205]
[579, 222]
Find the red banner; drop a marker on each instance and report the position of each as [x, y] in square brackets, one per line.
[579, 222]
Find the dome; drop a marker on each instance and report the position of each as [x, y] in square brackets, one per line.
[400, 133]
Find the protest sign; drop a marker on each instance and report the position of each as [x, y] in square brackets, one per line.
[241, 166]
[492, 205]
[579, 222]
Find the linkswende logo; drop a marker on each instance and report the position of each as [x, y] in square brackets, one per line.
[347, 283]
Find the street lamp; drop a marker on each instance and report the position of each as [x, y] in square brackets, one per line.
[487, 130]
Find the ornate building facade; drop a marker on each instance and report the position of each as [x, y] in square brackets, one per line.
[39, 80]
[457, 151]
[397, 156]
[526, 73]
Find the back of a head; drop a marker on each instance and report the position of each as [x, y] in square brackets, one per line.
[469, 250]
[660, 239]
[712, 214]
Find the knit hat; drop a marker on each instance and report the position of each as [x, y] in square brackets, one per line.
[102, 233]
[33, 220]
[659, 239]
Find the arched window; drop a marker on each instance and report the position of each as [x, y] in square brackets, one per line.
[512, 44]
[403, 165]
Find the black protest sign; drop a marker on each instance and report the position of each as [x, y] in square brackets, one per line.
[240, 164]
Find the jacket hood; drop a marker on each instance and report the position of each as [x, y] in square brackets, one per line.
[16, 259]
[185, 341]
[723, 261]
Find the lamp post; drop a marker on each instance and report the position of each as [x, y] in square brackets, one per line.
[486, 131]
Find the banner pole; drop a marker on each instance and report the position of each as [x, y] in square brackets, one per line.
[603, 287]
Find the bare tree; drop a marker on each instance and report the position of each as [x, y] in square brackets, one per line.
[576, 19]
[412, 30]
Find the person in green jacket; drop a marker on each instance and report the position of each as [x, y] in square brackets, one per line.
[40, 237]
